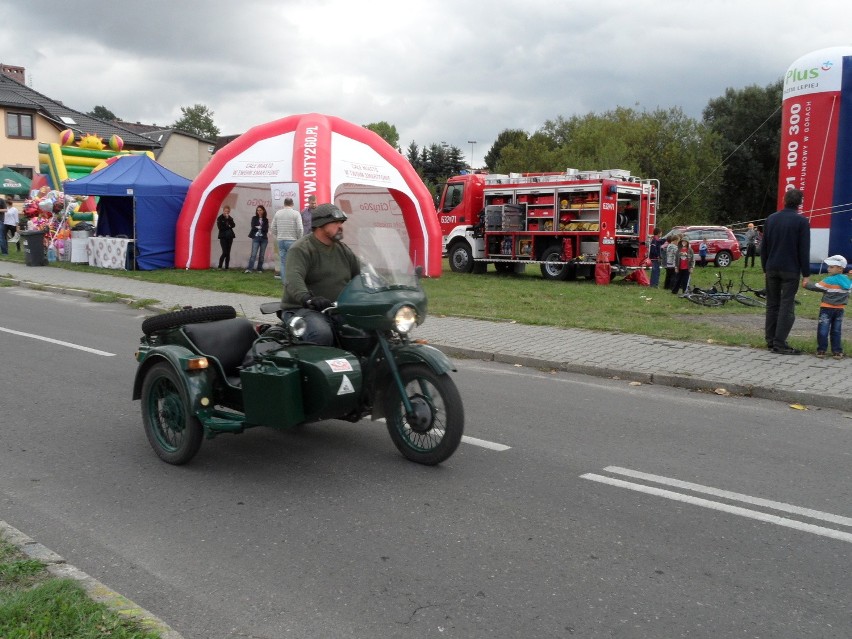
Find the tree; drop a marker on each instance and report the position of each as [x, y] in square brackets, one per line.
[197, 120]
[102, 113]
[680, 151]
[748, 122]
[386, 131]
[505, 138]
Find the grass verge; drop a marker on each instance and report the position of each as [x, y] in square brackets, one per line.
[526, 298]
[34, 604]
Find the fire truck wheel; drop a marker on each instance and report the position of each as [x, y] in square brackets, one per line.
[461, 259]
[551, 269]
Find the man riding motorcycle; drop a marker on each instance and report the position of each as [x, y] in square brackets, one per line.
[319, 266]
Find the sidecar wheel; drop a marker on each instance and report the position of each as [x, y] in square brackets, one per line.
[436, 431]
[173, 431]
[174, 319]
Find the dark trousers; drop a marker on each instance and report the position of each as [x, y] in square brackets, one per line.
[655, 272]
[681, 281]
[781, 288]
[750, 254]
[671, 275]
[225, 258]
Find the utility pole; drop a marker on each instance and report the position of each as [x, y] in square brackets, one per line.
[471, 143]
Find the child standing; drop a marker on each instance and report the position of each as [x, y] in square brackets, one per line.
[684, 261]
[835, 295]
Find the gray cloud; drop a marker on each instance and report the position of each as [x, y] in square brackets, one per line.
[439, 71]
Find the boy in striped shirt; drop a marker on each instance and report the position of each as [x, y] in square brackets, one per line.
[835, 295]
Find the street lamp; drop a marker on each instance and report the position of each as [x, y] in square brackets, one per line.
[471, 143]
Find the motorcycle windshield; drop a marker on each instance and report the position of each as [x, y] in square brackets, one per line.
[385, 262]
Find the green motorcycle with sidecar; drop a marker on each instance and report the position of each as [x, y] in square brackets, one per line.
[203, 372]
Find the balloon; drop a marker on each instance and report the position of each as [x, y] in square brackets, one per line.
[66, 138]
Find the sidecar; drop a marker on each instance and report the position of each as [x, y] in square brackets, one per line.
[204, 371]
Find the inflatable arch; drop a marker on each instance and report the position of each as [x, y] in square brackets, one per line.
[323, 156]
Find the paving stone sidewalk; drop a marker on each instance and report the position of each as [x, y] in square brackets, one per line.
[745, 371]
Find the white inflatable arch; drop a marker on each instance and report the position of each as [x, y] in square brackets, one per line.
[324, 156]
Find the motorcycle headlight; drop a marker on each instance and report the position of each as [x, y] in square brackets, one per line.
[405, 319]
[298, 326]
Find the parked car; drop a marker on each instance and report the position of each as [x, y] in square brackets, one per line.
[741, 238]
[723, 247]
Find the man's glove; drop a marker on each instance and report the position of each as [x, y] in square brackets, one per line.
[318, 303]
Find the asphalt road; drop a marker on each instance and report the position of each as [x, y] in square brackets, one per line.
[568, 515]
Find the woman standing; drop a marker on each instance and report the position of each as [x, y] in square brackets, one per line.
[684, 261]
[258, 234]
[225, 223]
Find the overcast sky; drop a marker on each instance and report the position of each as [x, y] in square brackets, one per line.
[439, 71]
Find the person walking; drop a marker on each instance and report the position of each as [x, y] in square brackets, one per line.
[259, 235]
[655, 255]
[784, 256]
[225, 223]
[684, 263]
[835, 295]
[11, 218]
[702, 252]
[751, 244]
[286, 229]
[307, 214]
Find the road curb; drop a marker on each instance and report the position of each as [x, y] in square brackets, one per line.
[675, 381]
[98, 592]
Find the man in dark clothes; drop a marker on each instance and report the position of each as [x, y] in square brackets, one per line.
[784, 255]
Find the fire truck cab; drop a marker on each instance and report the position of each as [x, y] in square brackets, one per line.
[564, 222]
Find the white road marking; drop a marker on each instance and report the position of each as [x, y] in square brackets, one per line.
[715, 505]
[94, 351]
[473, 441]
[484, 444]
[755, 501]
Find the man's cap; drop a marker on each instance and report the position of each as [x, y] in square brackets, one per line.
[326, 214]
[836, 260]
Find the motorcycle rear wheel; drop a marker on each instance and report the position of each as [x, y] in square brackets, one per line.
[438, 429]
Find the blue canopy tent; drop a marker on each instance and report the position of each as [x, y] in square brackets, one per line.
[141, 200]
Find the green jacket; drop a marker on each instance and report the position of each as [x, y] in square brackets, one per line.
[313, 269]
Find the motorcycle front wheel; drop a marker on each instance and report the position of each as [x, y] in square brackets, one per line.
[435, 429]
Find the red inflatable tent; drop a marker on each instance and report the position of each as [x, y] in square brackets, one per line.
[321, 155]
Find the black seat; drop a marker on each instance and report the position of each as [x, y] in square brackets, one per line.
[226, 340]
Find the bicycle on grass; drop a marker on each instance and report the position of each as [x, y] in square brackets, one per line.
[719, 294]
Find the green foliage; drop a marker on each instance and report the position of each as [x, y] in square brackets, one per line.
[102, 113]
[505, 138]
[748, 124]
[385, 131]
[435, 163]
[197, 120]
[663, 144]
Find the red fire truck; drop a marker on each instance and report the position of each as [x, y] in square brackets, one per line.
[565, 222]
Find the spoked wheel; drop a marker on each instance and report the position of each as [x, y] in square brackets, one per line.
[749, 301]
[172, 430]
[703, 300]
[434, 431]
